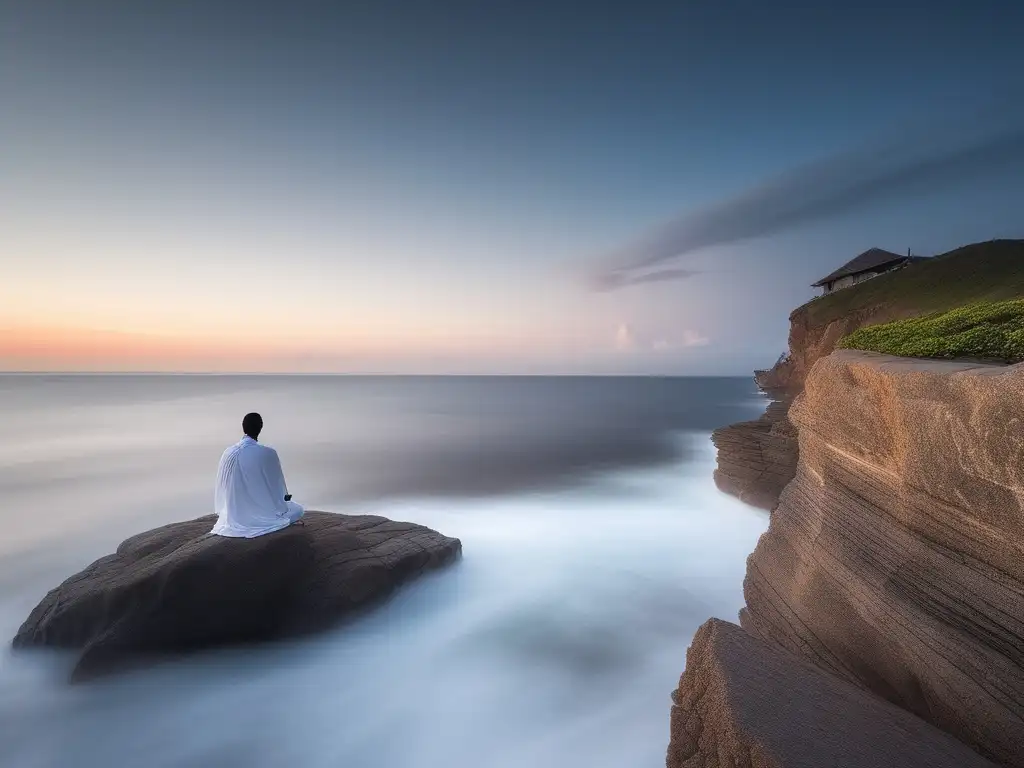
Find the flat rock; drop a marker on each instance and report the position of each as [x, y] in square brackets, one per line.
[177, 588]
[744, 703]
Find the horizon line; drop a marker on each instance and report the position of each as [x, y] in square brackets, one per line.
[382, 375]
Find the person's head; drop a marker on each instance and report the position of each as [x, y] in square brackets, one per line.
[252, 424]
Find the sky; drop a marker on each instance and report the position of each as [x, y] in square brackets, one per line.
[480, 187]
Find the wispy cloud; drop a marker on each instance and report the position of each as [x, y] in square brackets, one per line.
[924, 156]
[609, 281]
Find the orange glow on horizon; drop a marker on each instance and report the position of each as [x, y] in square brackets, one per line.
[50, 348]
[38, 348]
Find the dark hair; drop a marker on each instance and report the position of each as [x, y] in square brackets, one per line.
[252, 424]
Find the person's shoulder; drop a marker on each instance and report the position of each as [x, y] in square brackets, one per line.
[233, 448]
[269, 449]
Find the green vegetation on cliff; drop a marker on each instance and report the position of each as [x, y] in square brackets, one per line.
[985, 330]
[983, 272]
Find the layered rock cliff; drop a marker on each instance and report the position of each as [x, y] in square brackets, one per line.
[989, 271]
[747, 704]
[895, 557]
[812, 338]
[893, 564]
[757, 459]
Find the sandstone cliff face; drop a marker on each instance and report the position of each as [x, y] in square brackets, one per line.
[808, 342]
[895, 557]
[744, 703]
[989, 271]
[757, 458]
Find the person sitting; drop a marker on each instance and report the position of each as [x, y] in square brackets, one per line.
[251, 497]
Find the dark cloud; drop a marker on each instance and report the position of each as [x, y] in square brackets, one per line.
[609, 281]
[919, 158]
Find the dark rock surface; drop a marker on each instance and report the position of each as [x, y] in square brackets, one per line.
[757, 458]
[744, 703]
[176, 588]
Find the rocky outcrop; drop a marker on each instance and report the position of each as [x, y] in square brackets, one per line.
[810, 341]
[895, 558]
[178, 588]
[989, 271]
[757, 458]
[744, 703]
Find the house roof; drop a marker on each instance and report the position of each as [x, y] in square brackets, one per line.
[872, 259]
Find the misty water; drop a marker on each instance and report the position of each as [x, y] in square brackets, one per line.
[594, 545]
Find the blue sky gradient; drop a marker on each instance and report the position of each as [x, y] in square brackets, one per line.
[429, 187]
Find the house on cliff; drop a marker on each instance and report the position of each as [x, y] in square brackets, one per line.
[869, 264]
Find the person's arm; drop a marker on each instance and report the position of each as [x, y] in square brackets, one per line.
[284, 483]
[275, 477]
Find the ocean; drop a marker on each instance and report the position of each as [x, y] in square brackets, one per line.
[594, 544]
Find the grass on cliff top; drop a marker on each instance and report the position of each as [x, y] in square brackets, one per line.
[989, 271]
[986, 330]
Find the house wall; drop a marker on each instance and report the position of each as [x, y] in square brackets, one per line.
[847, 280]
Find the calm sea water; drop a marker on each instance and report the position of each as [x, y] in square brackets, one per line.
[594, 545]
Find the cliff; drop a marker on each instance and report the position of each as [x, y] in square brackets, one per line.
[990, 271]
[757, 459]
[895, 557]
[893, 564]
[745, 703]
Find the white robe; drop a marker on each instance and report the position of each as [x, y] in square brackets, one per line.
[249, 499]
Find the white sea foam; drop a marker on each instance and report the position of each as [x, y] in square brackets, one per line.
[554, 642]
